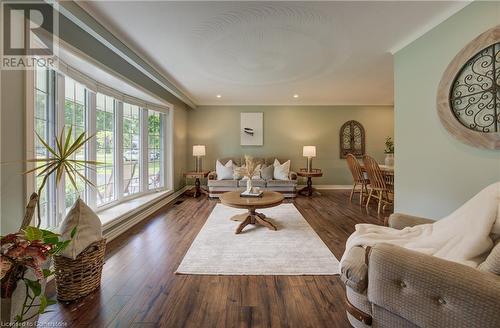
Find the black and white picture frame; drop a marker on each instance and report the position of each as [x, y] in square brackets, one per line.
[252, 129]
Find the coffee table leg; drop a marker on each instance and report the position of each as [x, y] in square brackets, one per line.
[261, 219]
[252, 218]
[243, 224]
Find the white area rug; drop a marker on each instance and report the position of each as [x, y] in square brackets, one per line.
[295, 249]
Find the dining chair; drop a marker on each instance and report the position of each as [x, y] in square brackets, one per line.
[377, 183]
[358, 178]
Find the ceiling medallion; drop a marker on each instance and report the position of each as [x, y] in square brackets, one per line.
[468, 101]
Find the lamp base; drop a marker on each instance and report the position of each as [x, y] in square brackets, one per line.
[309, 164]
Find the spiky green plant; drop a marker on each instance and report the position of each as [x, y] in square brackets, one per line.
[60, 162]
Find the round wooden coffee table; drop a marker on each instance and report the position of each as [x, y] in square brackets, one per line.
[268, 199]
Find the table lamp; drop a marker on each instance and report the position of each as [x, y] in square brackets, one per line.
[198, 152]
[309, 152]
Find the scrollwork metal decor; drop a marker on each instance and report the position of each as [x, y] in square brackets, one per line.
[475, 94]
[468, 101]
[352, 139]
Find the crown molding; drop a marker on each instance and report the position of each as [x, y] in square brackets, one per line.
[429, 26]
[82, 19]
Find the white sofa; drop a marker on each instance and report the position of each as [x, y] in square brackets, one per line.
[218, 187]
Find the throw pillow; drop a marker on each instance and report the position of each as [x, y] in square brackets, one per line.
[492, 262]
[224, 172]
[267, 172]
[88, 229]
[236, 172]
[281, 170]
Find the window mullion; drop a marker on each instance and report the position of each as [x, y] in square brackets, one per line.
[144, 158]
[118, 163]
[59, 125]
[91, 148]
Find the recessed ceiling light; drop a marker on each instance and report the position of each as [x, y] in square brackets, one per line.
[219, 96]
[296, 96]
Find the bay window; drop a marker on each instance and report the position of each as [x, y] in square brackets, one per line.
[105, 145]
[131, 142]
[75, 119]
[128, 142]
[155, 150]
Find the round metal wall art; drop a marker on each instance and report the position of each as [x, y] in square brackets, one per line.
[468, 101]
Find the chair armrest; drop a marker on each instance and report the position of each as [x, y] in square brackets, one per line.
[354, 271]
[292, 175]
[212, 175]
[400, 221]
[432, 292]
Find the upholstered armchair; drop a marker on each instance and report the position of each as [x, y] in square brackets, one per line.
[390, 286]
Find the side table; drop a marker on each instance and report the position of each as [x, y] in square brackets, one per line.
[314, 173]
[197, 190]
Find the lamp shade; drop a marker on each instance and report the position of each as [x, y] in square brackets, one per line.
[199, 150]
[309, 151]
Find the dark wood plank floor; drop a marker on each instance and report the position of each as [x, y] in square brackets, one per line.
[139, 287]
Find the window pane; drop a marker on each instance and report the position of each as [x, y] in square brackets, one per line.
[74, 119]
[44, 127]
[131, 149]
[105, 130]
[155, 149]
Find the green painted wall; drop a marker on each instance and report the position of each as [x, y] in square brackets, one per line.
[286, 130]
[435, 173]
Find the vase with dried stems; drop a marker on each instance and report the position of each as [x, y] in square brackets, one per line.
[26, 254]
[249, 171]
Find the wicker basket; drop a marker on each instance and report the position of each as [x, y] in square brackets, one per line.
[79, 277]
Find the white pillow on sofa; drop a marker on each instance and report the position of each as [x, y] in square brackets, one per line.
[224, 172]
[88, 229]
[281, 171]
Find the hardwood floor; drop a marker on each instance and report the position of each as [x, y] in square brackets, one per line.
[140, 289]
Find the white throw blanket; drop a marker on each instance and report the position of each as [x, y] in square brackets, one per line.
[463, 236]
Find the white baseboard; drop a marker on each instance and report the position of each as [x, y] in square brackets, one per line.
[328, 187]
[116, 230]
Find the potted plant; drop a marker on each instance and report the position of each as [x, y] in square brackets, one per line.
[248, 171]
[26, 254]
[389, 151]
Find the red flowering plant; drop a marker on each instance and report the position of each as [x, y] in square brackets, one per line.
[26, 250]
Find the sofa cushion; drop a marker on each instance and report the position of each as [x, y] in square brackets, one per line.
[255, 183]
[281, 170]
[492, 262]
[281, 183]
[354, 271]
[223, 183]
[224, 172]
[267, 172]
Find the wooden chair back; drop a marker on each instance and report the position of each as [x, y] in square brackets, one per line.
[355, 168]
[374, 172]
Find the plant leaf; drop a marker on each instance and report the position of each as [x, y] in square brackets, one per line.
[50, 149]
[32, 233]
[43, 304]
[47, 273]
[35, 286]
[68, 138]
[73, 232]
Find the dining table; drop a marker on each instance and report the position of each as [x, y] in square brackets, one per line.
[387, 171]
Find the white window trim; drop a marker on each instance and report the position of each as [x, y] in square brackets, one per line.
[166, 154]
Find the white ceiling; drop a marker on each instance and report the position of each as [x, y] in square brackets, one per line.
[262, 53]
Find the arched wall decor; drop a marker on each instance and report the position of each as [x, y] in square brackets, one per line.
[468, 99]
[352, 139]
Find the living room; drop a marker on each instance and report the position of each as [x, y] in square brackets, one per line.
[254, 164]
